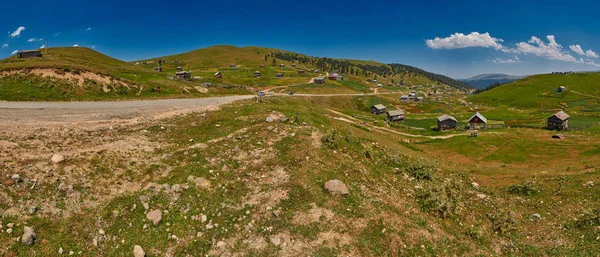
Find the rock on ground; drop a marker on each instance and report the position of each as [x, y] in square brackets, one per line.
[57, 158]
[155, 216]
[28, 237]
[336, 187]
[138, 251]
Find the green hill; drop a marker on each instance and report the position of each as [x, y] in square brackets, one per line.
[207, 61]
[84, 74]
[541, 91]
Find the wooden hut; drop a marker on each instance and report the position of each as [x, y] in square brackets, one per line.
[179, 68]
[159, 69]
[218, 75]
[404, 98]
[477, 120]
[257, 74]
[279, 75]
[446, 122]
[183, 75]
[378, 109]
[562, 89]
[334, 76]
[300, 71]
[319, 80]
[395, 116]
[558, 121]
[29, 54]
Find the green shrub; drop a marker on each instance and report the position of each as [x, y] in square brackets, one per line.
[441, 199]
[591, 218]
[502, 222]
[420, 171]
[526, 188]
[331, 139]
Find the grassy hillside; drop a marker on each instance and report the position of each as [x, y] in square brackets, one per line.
[207, 61]
[540, 91]
[84, 74]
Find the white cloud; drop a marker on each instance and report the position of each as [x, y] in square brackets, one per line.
[88, 29]
[34, 40]
[4, 45]
[43, 46]
[14, 52]
[577, 49]
[460, 40]
[75, 45]
[551, 50]
[508, 61]
[56, 34]
[17, 32]
[93, 47]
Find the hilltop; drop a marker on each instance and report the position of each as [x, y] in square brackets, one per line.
[482, 81]
[69, 73]
[541, 91]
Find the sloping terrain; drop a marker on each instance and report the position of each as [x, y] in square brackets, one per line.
[84, 74]
[229, 183]
[541, 91]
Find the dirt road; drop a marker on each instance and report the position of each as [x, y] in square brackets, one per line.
[61, 112]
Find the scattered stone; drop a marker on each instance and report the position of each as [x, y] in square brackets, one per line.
[481, 196]
[203, 218]
[57, 158]
[162, 127]
[9, 231]
[475, 185]
[225, 168]
[16, 178]
[209, 226]
[275, 240]
[304, 124]
[146, 206]
[28, 237]
[589, 184]
[138, 251]
[32, 209]
[101, 232]
[199, 234]
[336, 187]
[155, 216]
[166, 186]
[60, 250]
[221, 244]
[176, 188]
[10, 225]
[537, 216]
[417, 187]
[269, 119]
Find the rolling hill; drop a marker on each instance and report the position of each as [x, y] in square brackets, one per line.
[541, 91]
[485, 80]
[218, 58]
[69, 73]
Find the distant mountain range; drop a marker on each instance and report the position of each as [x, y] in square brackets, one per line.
[485, 80]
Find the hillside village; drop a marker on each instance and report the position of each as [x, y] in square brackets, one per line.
[228, 151]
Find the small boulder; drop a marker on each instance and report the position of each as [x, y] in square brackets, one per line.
[537, 216]
[155, 216]
[138, 251]
[57, 158]
[16, 178]
[269, 119]
[28, 237]
[275, 240]
[221, 244]
[336, 187]
[475, 185]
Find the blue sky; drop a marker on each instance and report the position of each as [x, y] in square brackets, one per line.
[567, 34]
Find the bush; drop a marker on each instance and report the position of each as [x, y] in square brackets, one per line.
[420, 171]
[331, 139]
[502, 222]
[590, 218]
[527, 188]
[441, 199]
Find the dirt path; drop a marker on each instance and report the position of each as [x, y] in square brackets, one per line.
[68, 112]
[585, 94]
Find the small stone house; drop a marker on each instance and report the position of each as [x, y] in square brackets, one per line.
[378, 109]
[562, 89]
[300, 71]
[395, 116]
[420, 99]
[179, 68]
[558, 121]
[279, 75]
[159, 69]
[446, 122]
[404, 98]
[233, 65]
[319, 80]
[477, 120]
[262, 66]
[257, 74]
[29, 54]
[282, 65]
[183, 75]
[218, 75]
[334, 76]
